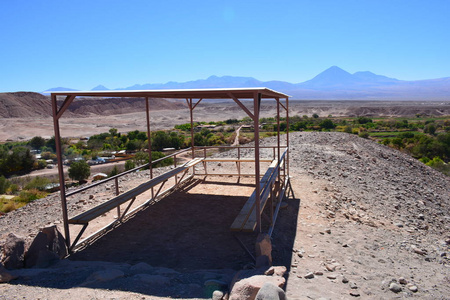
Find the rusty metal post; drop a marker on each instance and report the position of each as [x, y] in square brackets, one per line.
[278, 128]
[147, 112]
[287, 136]
[62, 187]
[256, 104]
[191, 110]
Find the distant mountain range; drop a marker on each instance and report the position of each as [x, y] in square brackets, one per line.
[332, 84]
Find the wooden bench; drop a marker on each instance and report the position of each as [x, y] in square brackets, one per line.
[246, 219]
[87, 216]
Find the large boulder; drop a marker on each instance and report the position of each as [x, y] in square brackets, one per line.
[269, 291]
[248, 288]
[12, 252]
[47, 247]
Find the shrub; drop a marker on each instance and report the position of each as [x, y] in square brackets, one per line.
[363, 120]
[9, 205]
[348, 129]
[113, 172]
[26, 196]
[440, 165]
[79, 170]
[129, 164]
[364, 135]
[141, 158]
[38, 183]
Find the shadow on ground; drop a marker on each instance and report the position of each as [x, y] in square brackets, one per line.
[184, 237]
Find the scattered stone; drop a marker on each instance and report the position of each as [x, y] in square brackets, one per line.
[217, 295]
[398, 224]
[269, 291]
[413, 288]
[354, 294]
[141, 267]
[152, 279]
[344, 280]
[105, 275]
[402, 280]
[91, 197]
[328, 231]
[330, 268]
[276, 270]
[165, 271]
[13, 252]
[331, 276]
[419, 251]
[353, 285]
[299, 254]
[309, 275]
[318, 273]
[395, 287]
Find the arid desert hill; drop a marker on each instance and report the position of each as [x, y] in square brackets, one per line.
[30, 104]
[24, 115]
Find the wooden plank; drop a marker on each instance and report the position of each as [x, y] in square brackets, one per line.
[109, 205]
[249, 206]
[250, 224]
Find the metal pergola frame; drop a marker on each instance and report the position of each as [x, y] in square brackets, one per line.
[237, 94]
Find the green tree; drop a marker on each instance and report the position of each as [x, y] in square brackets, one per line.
[430, 128]
[113, 131]
[4, 184]
[327, 124]
[18, 161]
[140, 158]
[363, 120]
[315, 116]
[37, 142]
[79, 170]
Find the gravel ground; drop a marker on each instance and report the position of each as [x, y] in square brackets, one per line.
[366, 220]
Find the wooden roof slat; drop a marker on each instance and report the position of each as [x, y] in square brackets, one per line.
[240, 93]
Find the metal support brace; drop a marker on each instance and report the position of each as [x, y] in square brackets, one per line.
[245, 248]
[78, 237]
[120, 218]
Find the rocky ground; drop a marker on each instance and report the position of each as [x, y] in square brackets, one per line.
[367, 221]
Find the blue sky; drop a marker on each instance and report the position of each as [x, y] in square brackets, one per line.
[80, 44]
